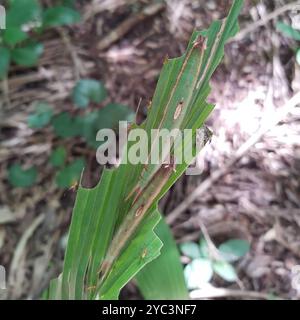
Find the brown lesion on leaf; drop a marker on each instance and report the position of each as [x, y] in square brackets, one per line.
[170, 166]
[139, 211]
[166, 59]
[144, 253]
[178, 110]
[91, 288]
[201, 43]
[138, 190]
[149, 105]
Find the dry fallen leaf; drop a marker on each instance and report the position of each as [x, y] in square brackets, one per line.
[6, 215]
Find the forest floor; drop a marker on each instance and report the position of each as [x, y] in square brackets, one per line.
[253, 195]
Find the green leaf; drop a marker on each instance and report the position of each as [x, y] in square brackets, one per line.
[105, 118]
[288, 31]
[27, 56]
[298, 56]
[190, 249]
[21, 12]
[70, 174]
[21, 178]
[112, 113]
[4, 62]
[14, 35]
[88, 90]
[41, 117]
[58, 157]
[198, 272]
[225, 270]
[66, 126]
[59, 16]
[163, 278]
[204, 250]
[144, 247]
[110, 241]
[234, 249]
[68, 3]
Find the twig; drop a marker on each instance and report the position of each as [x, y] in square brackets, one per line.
[79, 69]
[213, 251]
[209, 293]
[128, 24]
[252, 27]
[98, 6]
[19, 250]
[244, 148]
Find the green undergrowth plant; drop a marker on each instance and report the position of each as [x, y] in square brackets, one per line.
[114, 230]
[83, 122]
[290, 32]
[26, 20]
[205, 261]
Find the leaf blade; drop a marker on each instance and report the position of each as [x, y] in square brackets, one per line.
[163, 278]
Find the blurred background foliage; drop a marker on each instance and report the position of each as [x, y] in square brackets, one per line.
[69, 68]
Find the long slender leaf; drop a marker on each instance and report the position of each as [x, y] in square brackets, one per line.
[163, 278]
[111, 236]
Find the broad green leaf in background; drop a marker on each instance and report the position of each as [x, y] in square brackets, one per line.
[190, 249]
[59, 16]
[288, 30]
[112, 113]
[66, 126]
[163, 277]
[21, 12]
[105, 118]
[234, 249]
[18, 177]
[204, 250]
[225, 270]
[4, 62]
[41, 117]
[298, 56]
[100, 213]
[68, 3]
[14, 35]
[88, 90]
[58, 157]
[91, 123]
[198, 272]
[70, 174]
[27, 56]
[88, 125]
